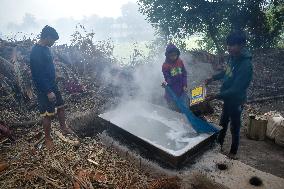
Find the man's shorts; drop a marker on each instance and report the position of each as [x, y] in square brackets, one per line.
[47, 108]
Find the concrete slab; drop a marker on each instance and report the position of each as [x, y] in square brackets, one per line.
[232, 174]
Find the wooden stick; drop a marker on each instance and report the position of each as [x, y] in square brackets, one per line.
[25, 123]
[39, 141]
[6, 173]
[93, 162]
[11, 66]
[4, 141]
[3, 166]
[265, 99]
[64, 139]
[47, 180]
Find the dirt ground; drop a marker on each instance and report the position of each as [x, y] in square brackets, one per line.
[263, 155]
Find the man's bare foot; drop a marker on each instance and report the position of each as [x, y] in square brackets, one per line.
[49, 144]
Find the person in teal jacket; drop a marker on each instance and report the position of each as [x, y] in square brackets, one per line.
[236, 79]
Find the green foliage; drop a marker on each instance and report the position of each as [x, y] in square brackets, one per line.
[215, 19]
[275, 21]
[280, 44]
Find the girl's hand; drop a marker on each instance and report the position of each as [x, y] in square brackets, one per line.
[164, 84]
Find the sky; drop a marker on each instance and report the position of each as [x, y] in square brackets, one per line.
[26, 18]
[14, 10]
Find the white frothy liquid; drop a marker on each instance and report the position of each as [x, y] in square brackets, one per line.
[159, 126]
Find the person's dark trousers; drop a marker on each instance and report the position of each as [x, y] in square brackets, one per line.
[231, 113]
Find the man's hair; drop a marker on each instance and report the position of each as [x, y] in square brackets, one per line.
[49, 32]
[236, 38]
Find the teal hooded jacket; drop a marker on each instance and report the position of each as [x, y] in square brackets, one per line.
[236, 78]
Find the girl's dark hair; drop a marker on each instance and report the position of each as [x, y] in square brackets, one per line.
[49, 32]
[171, 48]
[236, 38]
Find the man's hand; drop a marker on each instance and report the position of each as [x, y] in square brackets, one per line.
[208, 81]
[185, 88]
[51, 97]
[164, 84]
[210, 97]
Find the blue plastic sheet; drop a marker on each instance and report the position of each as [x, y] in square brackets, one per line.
[199, 125]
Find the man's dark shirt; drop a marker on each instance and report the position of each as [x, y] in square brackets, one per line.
[42, 68]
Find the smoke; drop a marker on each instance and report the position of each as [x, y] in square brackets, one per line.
[148, 78]
[136, 113]
[145, 79]
[197, 72]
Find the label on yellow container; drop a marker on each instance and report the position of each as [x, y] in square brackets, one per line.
[197, 95]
